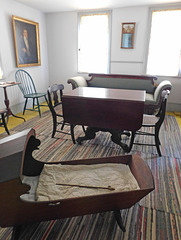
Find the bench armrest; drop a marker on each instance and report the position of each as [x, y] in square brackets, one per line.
[77, 81]
[163, 86]
[153, 102]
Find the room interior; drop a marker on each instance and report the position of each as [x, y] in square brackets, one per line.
[59, 54]
[58, 50]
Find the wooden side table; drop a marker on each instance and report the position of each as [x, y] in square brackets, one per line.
[4, 85]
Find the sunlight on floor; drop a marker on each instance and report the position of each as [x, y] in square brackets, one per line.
[13, 121]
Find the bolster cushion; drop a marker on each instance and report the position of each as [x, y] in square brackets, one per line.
[154, 99]
[78, 81]
[164, 85]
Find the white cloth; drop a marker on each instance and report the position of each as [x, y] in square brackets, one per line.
[32, 182]
[117, 176]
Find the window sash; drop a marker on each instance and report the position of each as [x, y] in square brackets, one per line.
[94, 42]
[164, 55]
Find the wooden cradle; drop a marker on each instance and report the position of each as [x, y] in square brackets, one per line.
[16, 160]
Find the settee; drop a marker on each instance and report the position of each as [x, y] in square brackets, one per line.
[134, 82]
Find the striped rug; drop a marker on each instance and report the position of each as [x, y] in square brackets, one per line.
[157, 216]
[140, 222]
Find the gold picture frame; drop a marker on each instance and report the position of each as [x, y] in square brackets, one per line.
[27, 43]
[127, 39]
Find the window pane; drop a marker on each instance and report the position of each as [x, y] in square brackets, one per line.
[93, 54]
[165, 43]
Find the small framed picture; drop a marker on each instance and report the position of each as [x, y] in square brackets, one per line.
[27, 43]
[127, 38]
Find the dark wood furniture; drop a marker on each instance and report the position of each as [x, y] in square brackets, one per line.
[155, 122]
[2, 119]
[146, 83]
[113, 110]
[4, 85]
[16, 160]
[55, 93]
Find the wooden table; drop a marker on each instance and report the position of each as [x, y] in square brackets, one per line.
[4, 85]
[113, 110]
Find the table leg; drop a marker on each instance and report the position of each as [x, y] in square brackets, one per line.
[90, 133]
[6, 101]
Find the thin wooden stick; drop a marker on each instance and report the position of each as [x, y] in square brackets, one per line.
[83, 186]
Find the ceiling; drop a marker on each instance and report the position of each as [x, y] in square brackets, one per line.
[48, 6]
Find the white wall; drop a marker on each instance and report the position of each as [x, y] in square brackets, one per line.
[58, 34]
[62, 48]
[62, 43]
[129, 61]
[40, 74]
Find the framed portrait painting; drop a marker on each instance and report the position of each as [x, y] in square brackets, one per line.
[127, 39]
[27, 43]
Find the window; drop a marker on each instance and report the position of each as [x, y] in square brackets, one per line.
[94, 42]
[164, 56]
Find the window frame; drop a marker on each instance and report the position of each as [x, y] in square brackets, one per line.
[96, 12]
[151, 10]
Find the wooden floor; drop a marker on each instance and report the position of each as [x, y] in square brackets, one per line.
[13, 122]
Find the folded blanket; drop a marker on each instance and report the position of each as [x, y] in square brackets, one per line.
[69, 181]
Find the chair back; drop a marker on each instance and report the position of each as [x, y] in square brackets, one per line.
[27, 85]
[162, 111]
[55, 93]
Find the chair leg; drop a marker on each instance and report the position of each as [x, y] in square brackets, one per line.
[46, 99]
[157, 141]
[54, 126]
[72, 132]
[83, 128]
[25, 105]
[38, 106]
[4, 123]
[63, 124]
[33, 103]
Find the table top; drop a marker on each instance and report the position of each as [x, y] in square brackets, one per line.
[8, 84]
[107, 93]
